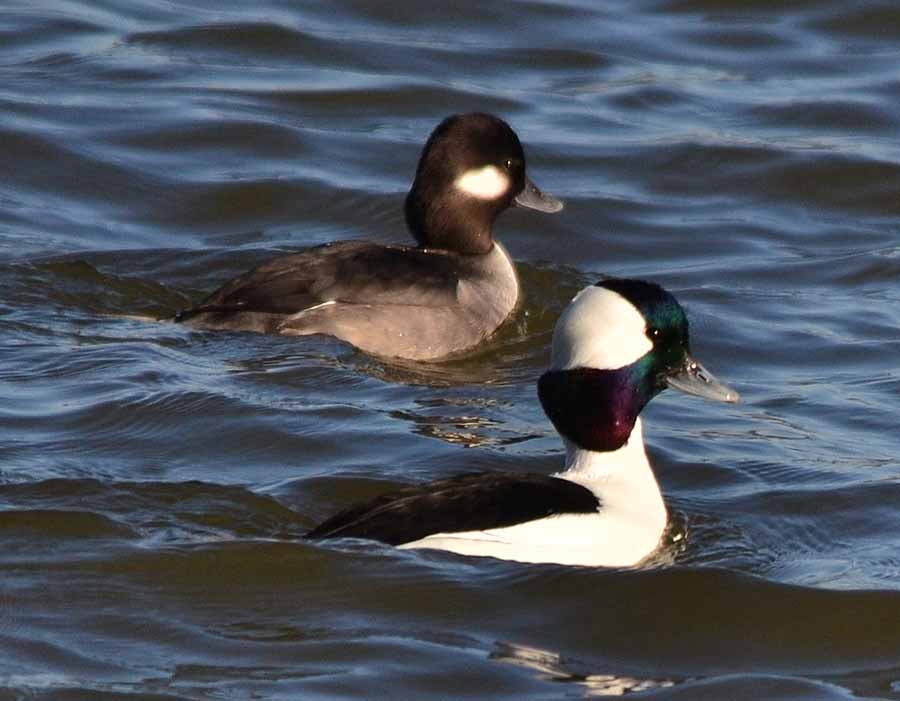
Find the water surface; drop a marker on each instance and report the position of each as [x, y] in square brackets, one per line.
[155, 481]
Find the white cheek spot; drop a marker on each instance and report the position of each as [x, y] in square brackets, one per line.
[486, 183]
[599, 329]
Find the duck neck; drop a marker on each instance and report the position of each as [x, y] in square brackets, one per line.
[622, 478]
[443, 223]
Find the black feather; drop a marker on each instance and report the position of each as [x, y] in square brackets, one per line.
[469, 502]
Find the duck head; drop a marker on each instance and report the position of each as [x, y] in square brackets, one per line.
[472, 168]
[616, 346]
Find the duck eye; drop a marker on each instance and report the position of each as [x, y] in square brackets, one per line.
[509, 164]
[653, 332]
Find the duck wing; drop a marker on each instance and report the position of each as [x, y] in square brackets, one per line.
[353, 272]
[472, 502]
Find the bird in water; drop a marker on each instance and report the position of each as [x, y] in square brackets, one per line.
[617, 345]
[424, 302]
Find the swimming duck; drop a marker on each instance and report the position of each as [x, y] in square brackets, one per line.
[617, 345]
[422, 303]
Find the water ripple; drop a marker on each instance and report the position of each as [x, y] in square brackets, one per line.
[155, 481]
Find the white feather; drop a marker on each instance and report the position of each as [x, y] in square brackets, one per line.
[627, 528]
[299, 314]
[487, 183]
[599, 329]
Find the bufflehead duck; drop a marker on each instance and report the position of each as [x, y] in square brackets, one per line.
[421, 303]
[617, 345]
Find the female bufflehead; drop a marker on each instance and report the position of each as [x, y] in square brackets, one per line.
[421, 303]
[616, 346]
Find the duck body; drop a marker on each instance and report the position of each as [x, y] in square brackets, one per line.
[625, 525]
[603, 509]
[459, 504]
[617, 345]
[423, 303]
[397, 301]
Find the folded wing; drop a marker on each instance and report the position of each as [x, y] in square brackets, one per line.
[471, 502]
[352, 272]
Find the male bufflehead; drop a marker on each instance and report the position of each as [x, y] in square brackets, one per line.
[422, 303]
[616, 346]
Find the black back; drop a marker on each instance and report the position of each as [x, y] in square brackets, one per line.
[471, 502]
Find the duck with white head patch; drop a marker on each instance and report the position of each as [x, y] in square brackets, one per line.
[616, 346]
[440, 298]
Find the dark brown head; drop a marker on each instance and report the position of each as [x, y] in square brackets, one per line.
[471, 169]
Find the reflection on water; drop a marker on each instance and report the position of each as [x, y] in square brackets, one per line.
[550, 665]
[554, 667]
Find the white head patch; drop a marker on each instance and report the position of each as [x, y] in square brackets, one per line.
[486, 183]
[599, 329]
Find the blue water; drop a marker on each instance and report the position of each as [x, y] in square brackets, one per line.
[155, 481]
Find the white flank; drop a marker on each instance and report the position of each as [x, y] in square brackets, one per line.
[486, 183]
[626, 529]
[599, 329]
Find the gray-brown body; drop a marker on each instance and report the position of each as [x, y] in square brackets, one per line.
[387, 300]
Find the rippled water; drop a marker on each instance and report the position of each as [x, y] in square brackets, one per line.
[155, 481]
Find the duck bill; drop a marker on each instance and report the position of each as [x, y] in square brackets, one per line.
[693, 378]
[531, 197]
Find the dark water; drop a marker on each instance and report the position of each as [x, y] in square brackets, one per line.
[154, 481]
